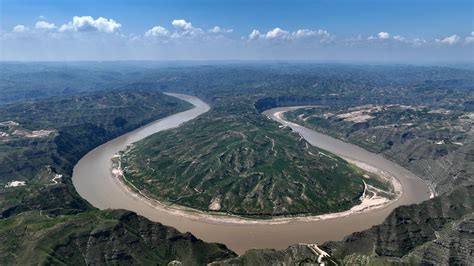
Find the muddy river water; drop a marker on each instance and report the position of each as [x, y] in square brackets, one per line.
[94, 181]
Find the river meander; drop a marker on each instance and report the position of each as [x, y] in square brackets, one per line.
[93, 179]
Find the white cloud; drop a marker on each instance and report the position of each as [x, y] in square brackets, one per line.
[453, 39]
[157, 31]
[218, 29]
[277, 33]
[303, 33]
[44, 25]
[185, 29]
[88, 23]
[300, 34]
[324, 33]
[183, 24]
[20, 28]
[255, 34]
[181, 38]
[399, 38]
[306, 33]
[383, 35]
[469, 39]
[418, 42]
[396, 39]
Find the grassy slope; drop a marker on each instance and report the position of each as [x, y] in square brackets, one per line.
[454, 244]
[100, 237]
[436, 231]
[343, 83]
[438, 147]
[44, 222]
[247, 162]
[439, 231]
[80, 123]
[406, 229]
[297, 254]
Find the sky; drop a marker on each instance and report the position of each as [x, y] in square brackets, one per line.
[412, 31]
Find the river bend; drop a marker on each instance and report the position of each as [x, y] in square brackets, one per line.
[94, 181]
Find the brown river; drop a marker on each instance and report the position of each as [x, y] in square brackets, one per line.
[93, 179]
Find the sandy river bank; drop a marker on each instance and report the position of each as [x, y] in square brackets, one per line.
[95, 182]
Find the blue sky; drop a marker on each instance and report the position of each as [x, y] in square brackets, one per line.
[349, 30]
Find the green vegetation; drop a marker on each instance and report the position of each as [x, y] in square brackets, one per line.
[237, 161]
[71, 127]
[65, 103]
[453, 245]
[437, 231]
[45, 221]
[298, 254]
[436, 144]
[43, 140]
[100, 237]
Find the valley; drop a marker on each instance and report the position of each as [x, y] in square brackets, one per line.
[236, 133]
[436, 144]
[239, 233]
[215, 151]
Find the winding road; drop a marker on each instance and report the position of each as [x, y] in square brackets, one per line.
[93, 179]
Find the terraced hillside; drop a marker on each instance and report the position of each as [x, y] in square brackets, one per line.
[41, 141]
[40, 138]
[236, 161]
[46, 221]
[42, 218]
[436, 144]
[297, 254]
[439, 231]
[100, 238]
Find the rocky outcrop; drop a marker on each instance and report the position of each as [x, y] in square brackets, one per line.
[410, 229]
[45, 221]
[54, 200]
[454, 245]
[101, 237]
[435, 144]
[299, 254]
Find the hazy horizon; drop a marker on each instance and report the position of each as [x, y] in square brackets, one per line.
[342, 31]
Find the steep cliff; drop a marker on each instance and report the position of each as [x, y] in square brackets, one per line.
[298, 254]
[415, 230]
[100, 237]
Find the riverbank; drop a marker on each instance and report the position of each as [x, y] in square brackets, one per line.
[94, 181]
[279, 116]
[369, 201]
